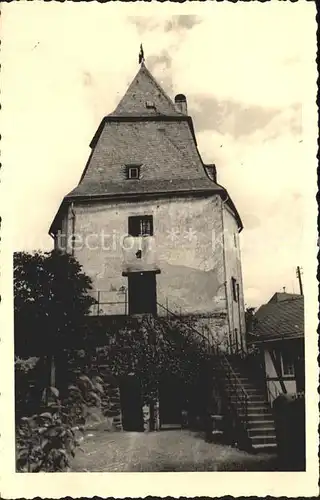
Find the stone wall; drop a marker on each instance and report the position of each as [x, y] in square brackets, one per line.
[113, 412]
[214, 327]
[149, 425]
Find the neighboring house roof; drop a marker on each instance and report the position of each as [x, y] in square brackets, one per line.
[280, 296]
[148, 130]
[282, 319]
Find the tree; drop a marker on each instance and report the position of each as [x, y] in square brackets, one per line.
[51, 300]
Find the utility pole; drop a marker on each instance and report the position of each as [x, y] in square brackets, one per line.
[299, 273]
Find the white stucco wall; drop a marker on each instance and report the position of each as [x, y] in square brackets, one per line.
[195, 259]
[274, 386]
[233, 270]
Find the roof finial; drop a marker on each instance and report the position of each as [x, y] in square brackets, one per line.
[141, 55]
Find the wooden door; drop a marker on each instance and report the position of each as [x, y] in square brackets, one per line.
[142, 293]
[170, 403]
[131, 404]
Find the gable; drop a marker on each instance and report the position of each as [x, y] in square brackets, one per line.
[145, 97]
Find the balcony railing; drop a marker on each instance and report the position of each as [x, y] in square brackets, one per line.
[110, 302]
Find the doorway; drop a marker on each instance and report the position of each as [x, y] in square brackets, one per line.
[170, 404]
[142, 292]
[131, 404]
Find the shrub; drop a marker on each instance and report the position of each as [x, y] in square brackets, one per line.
[44, 443]
[83, 394]
[27, 392]
[47, 442]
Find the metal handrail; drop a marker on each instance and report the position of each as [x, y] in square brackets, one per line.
[235, 375]
[229, 367]
[243, 398]
[205, 338]
[186, 324]
[96, 293]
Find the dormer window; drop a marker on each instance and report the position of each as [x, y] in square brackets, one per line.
[133, 171]
[150, 105]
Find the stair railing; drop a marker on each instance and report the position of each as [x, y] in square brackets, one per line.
[237, 396]
[238, 404]
[185, 323]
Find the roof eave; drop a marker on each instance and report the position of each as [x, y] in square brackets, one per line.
[229, 202]
[53, 228]
[278, 339]
[115, 196]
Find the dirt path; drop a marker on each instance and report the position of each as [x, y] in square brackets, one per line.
[178, 450]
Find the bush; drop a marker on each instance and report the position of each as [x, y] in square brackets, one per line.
[44, 444]
[83, 395]
[289, 413]
[27, 392]
[47, 442]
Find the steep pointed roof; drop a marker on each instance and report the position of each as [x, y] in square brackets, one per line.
[145, 97]
[145, 129]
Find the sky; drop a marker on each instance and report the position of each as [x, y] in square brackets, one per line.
[248, 71]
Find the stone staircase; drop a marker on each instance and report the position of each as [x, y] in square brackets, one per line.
[260, 422]
[260, 429]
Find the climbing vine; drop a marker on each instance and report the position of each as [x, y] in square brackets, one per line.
[154, 348]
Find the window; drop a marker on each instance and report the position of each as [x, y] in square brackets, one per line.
[287, 363]
[150, 105]
[235, 240]
[141, 225]
[236, 338]
[234, 289]
[133, 171]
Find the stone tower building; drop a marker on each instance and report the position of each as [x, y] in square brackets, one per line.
[149, 222]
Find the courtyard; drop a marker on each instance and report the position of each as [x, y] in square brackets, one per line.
[164, 451]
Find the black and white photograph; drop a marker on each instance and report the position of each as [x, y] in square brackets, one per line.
[159, 222]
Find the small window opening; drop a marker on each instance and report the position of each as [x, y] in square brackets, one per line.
[287, 364]
[150, 105]
[141, 225]
[133, 172]
[234, 289]
[235, 240]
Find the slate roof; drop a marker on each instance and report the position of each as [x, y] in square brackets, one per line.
[145, 87]
[165, 150]
[147, 129]
[280, 320]
[280, 296]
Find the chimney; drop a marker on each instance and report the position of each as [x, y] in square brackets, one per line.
[211, 171]
[181, 103]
